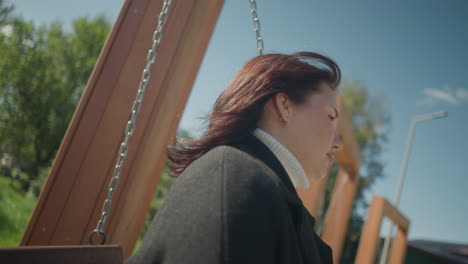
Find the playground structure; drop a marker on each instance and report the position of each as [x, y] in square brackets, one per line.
[70, 204]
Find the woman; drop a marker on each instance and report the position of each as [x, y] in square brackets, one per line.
[272, 130]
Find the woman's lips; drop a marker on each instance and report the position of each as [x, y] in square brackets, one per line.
[331, 156]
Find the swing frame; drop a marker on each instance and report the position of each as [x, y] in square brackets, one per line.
[63, 254]
[70, 202]
[367, 249]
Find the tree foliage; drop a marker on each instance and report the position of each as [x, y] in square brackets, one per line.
[5, 12]
[43, 71]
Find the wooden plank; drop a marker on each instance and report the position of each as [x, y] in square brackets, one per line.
[399, 247]
[166, 113]
[397, 217]
[350, 157]
[70, 203]
[312, 197]
[370, 234]
[81, 130]
[335, 229]
[60, 255]
[399, 242]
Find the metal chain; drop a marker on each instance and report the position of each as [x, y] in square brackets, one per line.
[131, 124]
[256, 23]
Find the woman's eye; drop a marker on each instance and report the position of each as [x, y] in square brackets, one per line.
[331, 117]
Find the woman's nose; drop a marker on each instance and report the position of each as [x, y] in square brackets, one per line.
[337, 144]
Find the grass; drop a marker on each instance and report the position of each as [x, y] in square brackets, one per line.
[15, 211]
[16, 208]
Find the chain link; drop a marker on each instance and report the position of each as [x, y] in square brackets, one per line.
[256, 24]
[131, 124]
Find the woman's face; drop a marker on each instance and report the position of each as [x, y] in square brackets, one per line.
[310, 131]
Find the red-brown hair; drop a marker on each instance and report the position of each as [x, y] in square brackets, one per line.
[237, 110]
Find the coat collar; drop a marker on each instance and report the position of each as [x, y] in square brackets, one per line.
[256, 148]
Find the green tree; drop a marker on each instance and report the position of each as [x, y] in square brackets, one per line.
[43, 71]
[371, 124]
[5, 12]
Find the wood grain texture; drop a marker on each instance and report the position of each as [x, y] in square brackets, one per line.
[70, 203]
[60, 255]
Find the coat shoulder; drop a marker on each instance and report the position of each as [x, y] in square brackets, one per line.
[232, 162]
[245, 185]
[224, 208]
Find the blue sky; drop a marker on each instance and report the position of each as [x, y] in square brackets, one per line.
[413, 52]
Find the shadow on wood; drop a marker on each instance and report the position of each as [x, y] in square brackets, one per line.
[63, 254]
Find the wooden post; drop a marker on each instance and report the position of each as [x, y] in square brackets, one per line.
[70, 203]
[399, 246]
[312, 197]
[334, 233]
[370, 235]
[63, 254]
[350, 157]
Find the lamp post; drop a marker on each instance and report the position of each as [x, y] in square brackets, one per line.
[416, 119]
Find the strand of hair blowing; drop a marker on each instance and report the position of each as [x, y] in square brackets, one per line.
[239, 107]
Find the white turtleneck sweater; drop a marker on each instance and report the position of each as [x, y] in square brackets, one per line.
[290, 163]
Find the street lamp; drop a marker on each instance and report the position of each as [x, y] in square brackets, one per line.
[415, 120]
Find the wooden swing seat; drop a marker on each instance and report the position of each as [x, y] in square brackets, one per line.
[62, 254]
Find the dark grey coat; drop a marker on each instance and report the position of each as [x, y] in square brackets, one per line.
[235, 204]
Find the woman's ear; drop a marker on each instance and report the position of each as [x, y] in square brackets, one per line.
[283, 107]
